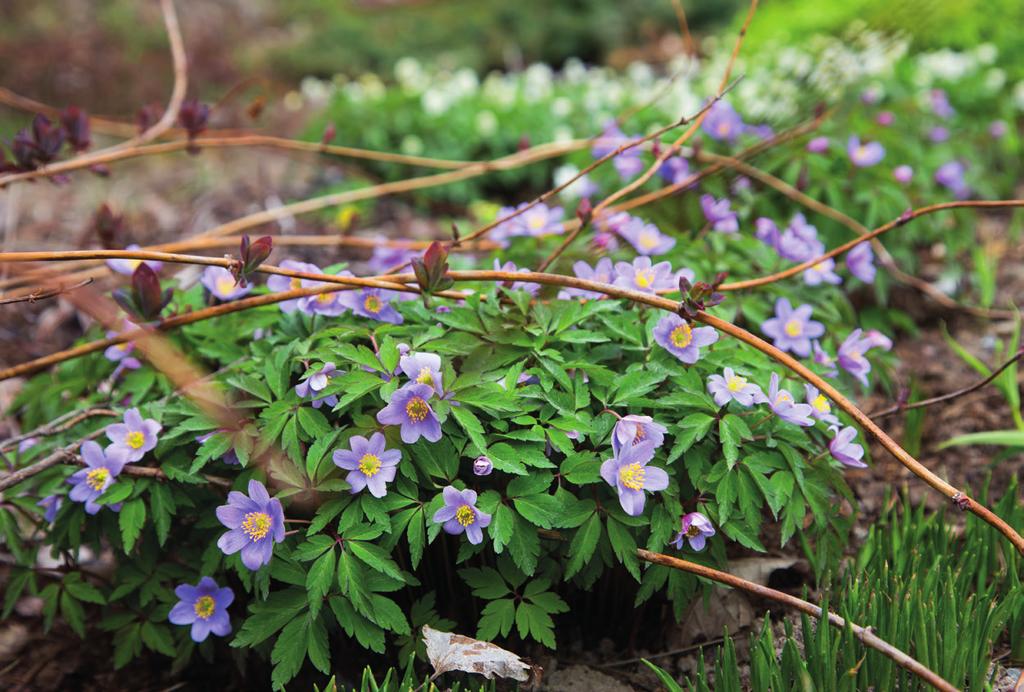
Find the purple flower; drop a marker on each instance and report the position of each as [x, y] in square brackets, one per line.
[510, 267]
[696, 528]
[851, 356]
[767, 232]
[823, 358]
[877, 339]
[938, 134]
[646, 238]
[628, 164]
[864, 155]
[679, 338]
[386, 257]
[368, 463]
[121, 354]
[822, 272]
[603, 272]
[460, 514]
[634, 429]
[424, 368]
[317, 382]
[372, 303]
[799, 242]
[940, 104]
[644, 276]
[722, 122]
[675, 170]
[229, 457]
[134, 436]
[27, 444]
[818, 145]
[221, 284]
[871, 96]
[51, 504]
[783, 405]
[205, 607]
[409, 409]
[885, 118]
[820, 407]
[611, 139]
[903, 174]
[762, 131]
[997, 129]
[256, 522]
[861, 262]
[277, 283]
[541, 219]
[482, 466]
[731, 387]
[101, 468]
[951, 176]
[127, 266]
[627, 471]
[718, 214]
[843, 448]
[792, 330]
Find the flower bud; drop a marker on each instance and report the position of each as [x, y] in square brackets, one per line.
[483, 466]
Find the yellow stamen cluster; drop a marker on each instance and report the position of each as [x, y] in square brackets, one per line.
[465, 515]
[295, 284]
[736, 383]
[256, 525]
[324, 297]
[681, 336]
[135, 439]
[204, 607]
[632, 476]
[369, 464]
[97, 478]
[425, 377]
[821, 403]
[644, 278]
[225, 285]
[794, 328]
[372, 304]
[648, 240]
[416, 409]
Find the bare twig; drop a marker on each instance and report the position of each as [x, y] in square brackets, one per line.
[57, 425]
[864, 634]
[899, 408]
[43, 293]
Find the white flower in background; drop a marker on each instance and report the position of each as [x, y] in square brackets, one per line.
[499, 91]
[411, 145]
[434, 101]
[1018, 96]
[565, 173]
[486, 123]
[986, 53]
[315, 91]
[465, 82]
[640, 73]
[563, 133]
[373, 87]
[293, 101]
[995, 79]
[410, 74]
[574, 71]
[561, 107]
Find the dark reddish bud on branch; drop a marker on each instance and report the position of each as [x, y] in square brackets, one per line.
[329, 133]
[584, 211]
[430, 270]
[145, 301]
[193, 116]
[76, 127]
[906, 216]
[699, 296]
[252, 255]
[147, 116]
[108, 226]
[524, 143]
[49, 137]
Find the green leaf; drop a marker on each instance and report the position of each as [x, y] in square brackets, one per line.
[583, 544]
[267, 617]
[496, 619]
[471, 424]
[83, 590]
[691, 429]
[131, 519]
[732, 430]
[533, 621]
[486, 582]
[376, 558]
[636, 384]
[313, 547]
[541, 510]
[624, 546]
[163, 507]
[1003, 438]
[289, 651]
[313, 423]
[319, 579]
[158, 638]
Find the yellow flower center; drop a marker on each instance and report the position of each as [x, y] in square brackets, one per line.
[134, 263]
[681, 336]
[819, 267]
[465, 515]
[256, 525]
[123, 347]
[295, 284]
[97, 478]
[861, 152]
[644, 278]
[535, 222]
[692, 531]
[855, 355]
[416, 409]
[783, 396]
[372, 304]
[632, 476]
[225, 284]
[135, 439]
[794, 328]
[425, 377]
[369, 464]
[648, 240]
[821, 404]
[324, 297]
[723, 129]
[736, 383]
[204, 607]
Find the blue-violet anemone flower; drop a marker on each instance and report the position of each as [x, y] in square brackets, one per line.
[368, 463]
[409, 408]
[460, 514]
[205, 607]
[256, 522]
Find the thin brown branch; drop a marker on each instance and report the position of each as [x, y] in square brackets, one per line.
[57, 425]
[923, 403]
[864, 634]
[43, 293]
[684, 27]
